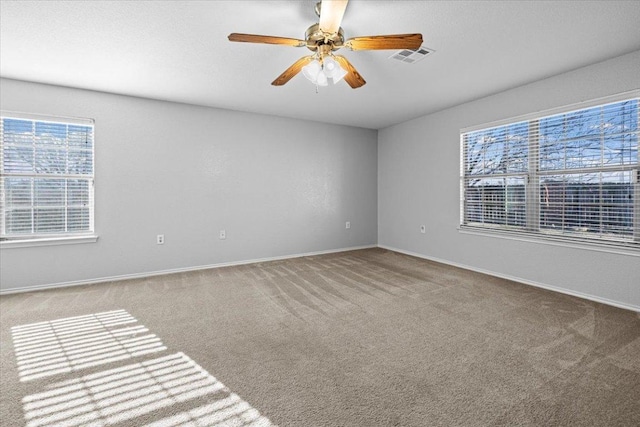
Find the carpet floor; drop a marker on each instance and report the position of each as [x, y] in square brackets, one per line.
[361, 338]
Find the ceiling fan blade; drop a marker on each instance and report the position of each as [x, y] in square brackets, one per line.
[394, 41]
[290, 72]
[255, 38]
[353, 77]
[331, 13]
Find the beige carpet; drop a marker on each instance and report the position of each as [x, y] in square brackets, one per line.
[362, 338]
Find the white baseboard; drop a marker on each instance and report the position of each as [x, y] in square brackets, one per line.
[519, 280]
[173, 270]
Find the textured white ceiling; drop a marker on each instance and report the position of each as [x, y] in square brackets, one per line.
[178, 51]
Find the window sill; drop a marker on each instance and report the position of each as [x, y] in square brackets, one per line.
[49, 241]
[555, 241]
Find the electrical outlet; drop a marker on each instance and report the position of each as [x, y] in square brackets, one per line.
[347, 225]
[223, 234]
[423, 229]
[160, 239]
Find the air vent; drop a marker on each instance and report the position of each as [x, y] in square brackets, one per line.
[412, 56]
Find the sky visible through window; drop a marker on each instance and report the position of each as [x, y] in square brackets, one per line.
[594, 137]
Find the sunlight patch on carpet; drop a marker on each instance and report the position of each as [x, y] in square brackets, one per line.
[125, 393]
[70, 344]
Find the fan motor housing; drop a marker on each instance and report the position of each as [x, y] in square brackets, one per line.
[316, 37]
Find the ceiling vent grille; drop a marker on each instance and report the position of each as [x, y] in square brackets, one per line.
[412, 56]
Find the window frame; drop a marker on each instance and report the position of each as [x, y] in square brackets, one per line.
[53, 238]
[532, 231]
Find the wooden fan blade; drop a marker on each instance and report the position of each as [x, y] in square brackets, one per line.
[331, 13]
[353, 77]
[394, 41]
[255, 38]
[290, 72]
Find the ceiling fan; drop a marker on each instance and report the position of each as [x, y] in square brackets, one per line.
[324, 38]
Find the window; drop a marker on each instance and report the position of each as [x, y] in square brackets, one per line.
[46, 177]
[569, 176]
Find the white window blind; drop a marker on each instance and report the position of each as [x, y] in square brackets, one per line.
[46, 176]
[572, 175]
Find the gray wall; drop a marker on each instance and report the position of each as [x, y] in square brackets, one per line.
[277, 186]
[418, 183]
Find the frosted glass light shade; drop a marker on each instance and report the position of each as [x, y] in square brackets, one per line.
[338, 74]
[321, 80]
[329, 65]
[311, 71]
[332, 69]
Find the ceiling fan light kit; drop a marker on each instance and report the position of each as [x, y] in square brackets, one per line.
[323, 39]
[323, 67]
